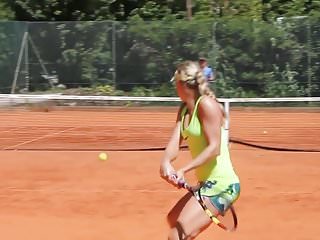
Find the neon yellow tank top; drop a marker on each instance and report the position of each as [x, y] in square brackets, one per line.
[218, 169]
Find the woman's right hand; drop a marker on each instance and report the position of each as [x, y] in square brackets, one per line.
[167, 171]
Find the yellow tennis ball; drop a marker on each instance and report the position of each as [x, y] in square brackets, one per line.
[103, 156]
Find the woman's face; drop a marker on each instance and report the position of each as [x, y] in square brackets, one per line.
[182, 90]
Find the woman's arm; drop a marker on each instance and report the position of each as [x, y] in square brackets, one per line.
[172, 149]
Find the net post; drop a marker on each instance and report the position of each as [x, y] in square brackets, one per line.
[227, 120]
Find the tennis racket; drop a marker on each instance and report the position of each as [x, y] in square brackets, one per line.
[228, 221]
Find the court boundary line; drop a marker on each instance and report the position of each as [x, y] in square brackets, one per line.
[13, 189]
[36, 139]
[11, 129]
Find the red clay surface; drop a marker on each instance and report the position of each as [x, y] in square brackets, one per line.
[115, 129]
[71, 195]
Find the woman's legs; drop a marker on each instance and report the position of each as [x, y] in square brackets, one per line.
[187, 219]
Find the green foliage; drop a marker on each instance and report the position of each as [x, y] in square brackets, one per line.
[56, 10]
[79, 52]
[155, 47]
[259, 48]
[10, 41]
[283, 83]
[107, 90]
[289, 8]
[151, 11]
[6, 12]
[140, 91]
[263, 58]
[51, 10]
[253, 51]
[165, 90]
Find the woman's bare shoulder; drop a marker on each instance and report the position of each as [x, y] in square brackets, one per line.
[209, 103]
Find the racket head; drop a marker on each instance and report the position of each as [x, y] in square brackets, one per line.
[228, 221]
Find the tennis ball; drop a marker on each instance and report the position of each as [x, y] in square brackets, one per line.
[103, 156]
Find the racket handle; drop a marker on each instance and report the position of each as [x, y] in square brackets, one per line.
[182, 183]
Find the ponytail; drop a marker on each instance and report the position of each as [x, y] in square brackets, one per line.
[190, 73]
[205, 90]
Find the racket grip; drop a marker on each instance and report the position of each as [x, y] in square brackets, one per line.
[182, 183]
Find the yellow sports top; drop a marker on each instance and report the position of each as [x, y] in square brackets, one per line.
[219, 168]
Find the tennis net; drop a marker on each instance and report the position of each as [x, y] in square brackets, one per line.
[84, 123]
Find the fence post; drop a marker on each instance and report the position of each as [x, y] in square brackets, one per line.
[114, 53]
[309, 59]
[26, 62]
[16, 72]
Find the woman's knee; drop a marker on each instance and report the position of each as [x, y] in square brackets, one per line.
[186, 219]
[175, 212]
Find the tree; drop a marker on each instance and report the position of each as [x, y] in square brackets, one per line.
[56, 10]
[6, 12]
[274, 8]
[250, 48]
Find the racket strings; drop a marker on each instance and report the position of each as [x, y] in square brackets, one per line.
[226, 220]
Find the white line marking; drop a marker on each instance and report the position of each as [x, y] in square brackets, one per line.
[12, 189]
[10, 130]
[293, 193]
[36, 139]
[106, 190]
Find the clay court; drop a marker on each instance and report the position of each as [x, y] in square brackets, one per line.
[52, 185]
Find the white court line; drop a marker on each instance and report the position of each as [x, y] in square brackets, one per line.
[293, 193]
[12, 189]
[36, 139]
[10, 130]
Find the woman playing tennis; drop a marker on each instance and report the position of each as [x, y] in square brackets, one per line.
[200, 121]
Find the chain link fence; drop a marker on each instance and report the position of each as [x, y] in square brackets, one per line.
[250, 58]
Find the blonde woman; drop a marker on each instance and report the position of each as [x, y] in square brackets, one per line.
[200, 122]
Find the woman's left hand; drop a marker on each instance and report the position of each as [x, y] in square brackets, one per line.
[179, 178]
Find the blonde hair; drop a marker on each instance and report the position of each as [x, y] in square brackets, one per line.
[191, 73]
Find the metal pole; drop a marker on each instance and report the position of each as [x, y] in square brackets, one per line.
[309, 60]
[26, 62]
[189, 9]
[227, 121]
[38, 56]
[114, 53]
[16, 72]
